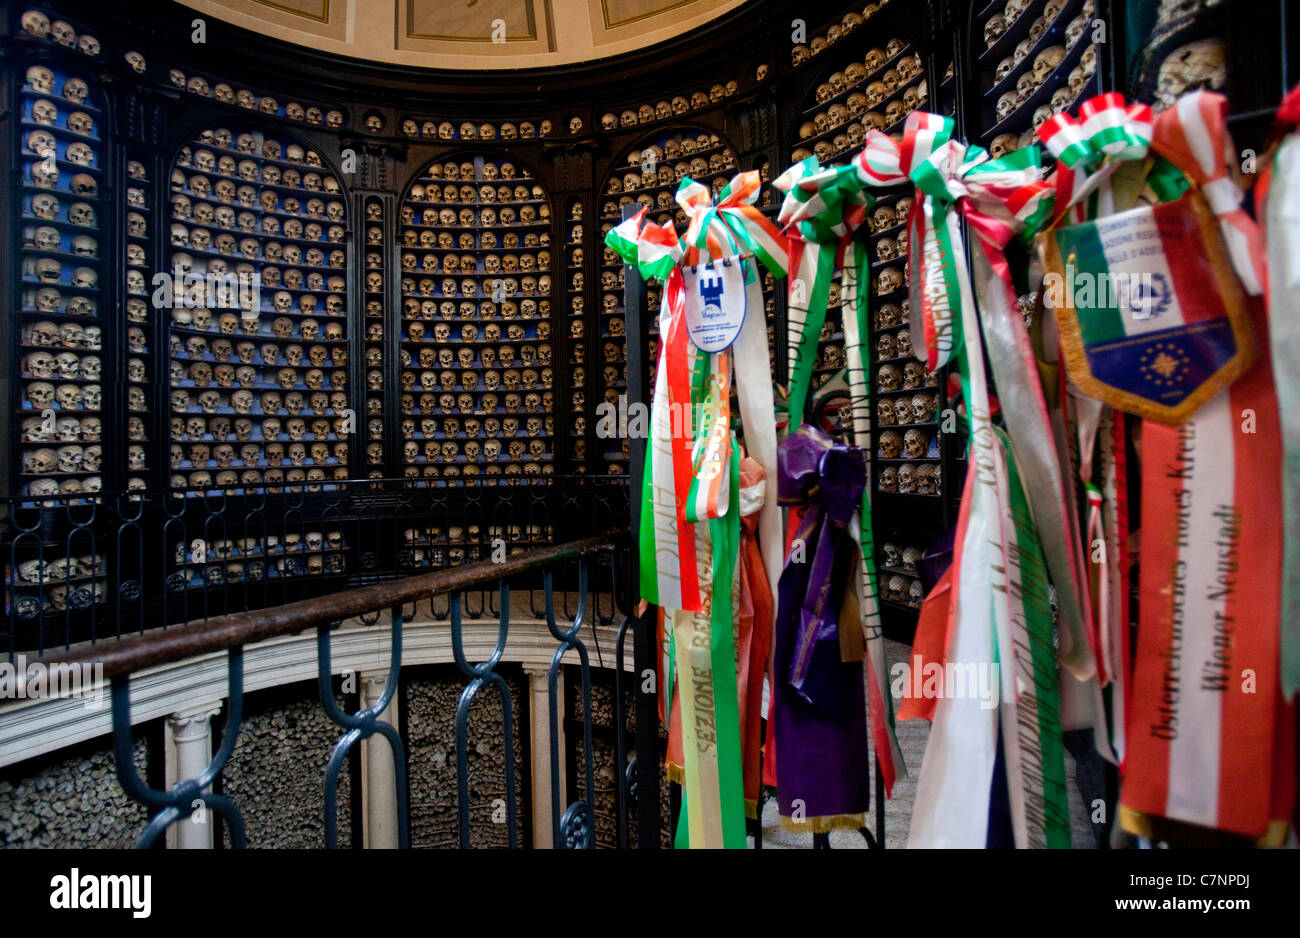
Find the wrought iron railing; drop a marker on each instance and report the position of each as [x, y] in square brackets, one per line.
[603, 559]
[80, 568]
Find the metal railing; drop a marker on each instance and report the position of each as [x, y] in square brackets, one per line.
[536, 569]
[80, 568]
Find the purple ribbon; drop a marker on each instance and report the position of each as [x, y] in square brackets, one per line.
[821, 730]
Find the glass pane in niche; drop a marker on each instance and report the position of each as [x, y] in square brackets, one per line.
[258, 339]
[477, 372]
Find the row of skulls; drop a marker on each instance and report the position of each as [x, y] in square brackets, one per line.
[912, 375]
[233, 480]
[86, 429]
[489, 402]
[905, 558]
[249, 247]
[473, 380]
[427, 189]
[894, 345]
[429, 470]
[469, 263]
[472, 533]
[856, 119]
[46, 176]
[47, 488]
[919, 408]
[244, 98]
[851, 20]
[996, 26]
[525, 308]
[48, 238]
[914, 443]
[248, 354]
[247, 144]
[194, 429]
[882, 73]
[474, 450]
[64, 366]
[71, 335]
[272, 545]
[442, 333]
[42, 143]
[911, 479]
[44, 394]
[226, 217]
[488, 240]
[473, 427]
[498, 288]
[226, 456]
[1064, 95]
[75, 458]
[208, 177]
[45, 112]
[37, 25]
[203, 374]
[283, 326]
[227, 192]
[242, 401]
[46, 206]
[467, 130]
[485, 217]
[667, 174]
[665, 109]
[901, 589]
[53, 569]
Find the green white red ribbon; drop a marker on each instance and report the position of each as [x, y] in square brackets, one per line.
[687, 566]
[1193, 135]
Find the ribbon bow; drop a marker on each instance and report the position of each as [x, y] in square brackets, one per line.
[733, 226]
[1090, 150]
[998, 198]
[652, 249]
[823, 207]
[1193, 135]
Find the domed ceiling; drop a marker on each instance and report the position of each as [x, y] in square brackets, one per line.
[469, 34]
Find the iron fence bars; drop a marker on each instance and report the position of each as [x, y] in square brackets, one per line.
[481, 675]
[187, 795]
[85, 568]
[624, 771]
[233, 632]
[362, 725]
[576, 829]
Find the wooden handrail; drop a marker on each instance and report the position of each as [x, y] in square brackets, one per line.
[130, 654]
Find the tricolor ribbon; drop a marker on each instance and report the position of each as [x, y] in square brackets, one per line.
[1193, 135]
[823, 206]
[689, 540]
[1089, 150]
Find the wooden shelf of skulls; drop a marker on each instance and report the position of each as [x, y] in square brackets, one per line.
[258, 350]
[578, 417]
[1039, 60]
[374, 291]
[876, 92]
[908, 473]
[648, 175]
[59, 397]
[1046, 63]
[477, 373]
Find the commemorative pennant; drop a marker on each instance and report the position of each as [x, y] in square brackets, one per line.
[1153, 321]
